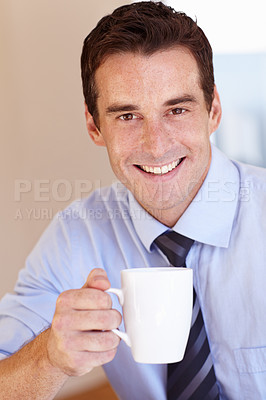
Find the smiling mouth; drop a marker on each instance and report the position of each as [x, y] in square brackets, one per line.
[164, 169]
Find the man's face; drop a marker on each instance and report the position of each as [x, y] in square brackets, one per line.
[153, 119]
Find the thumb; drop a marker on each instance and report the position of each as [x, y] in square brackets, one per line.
[97, 279]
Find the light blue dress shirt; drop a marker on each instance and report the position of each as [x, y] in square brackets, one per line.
[227, 220]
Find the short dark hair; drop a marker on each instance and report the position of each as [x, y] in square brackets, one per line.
[144, 27]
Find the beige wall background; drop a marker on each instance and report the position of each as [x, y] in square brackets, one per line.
[45, 150]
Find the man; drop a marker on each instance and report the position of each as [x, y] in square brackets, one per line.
[151, 100]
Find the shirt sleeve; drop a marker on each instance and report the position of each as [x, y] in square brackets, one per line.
[30, 309]
[13, 335]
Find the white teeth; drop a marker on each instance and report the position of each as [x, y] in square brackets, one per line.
[157, 170]
[164, 169]
[161, 170]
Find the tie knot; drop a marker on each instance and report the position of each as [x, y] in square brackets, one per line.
[175, 247]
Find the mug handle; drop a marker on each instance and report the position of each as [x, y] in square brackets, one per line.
[123, 335]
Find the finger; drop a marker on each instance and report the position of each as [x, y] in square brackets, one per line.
[82, 362]
[84, 299]
[94, 341]
[97, 279]
[100, 358]
[87, 320]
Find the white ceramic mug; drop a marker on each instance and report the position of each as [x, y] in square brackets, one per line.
[157, 309]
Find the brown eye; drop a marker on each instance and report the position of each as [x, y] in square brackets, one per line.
[177, 111]
[127, 117]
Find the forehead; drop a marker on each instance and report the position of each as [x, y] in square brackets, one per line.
[140, 75]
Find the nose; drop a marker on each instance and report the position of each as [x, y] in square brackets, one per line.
[155, 138]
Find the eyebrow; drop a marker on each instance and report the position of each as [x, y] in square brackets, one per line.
[116, 107]
[113, 108]
[182, 99]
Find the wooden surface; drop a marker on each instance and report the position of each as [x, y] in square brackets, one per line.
[104, 392]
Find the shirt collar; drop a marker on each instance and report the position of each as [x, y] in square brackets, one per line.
[209, 218]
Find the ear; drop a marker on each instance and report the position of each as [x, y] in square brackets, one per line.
[93, 131]
[215, 113]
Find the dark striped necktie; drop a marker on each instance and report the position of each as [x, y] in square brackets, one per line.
[192, 378]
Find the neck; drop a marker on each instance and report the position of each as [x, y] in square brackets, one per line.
[169, 217]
